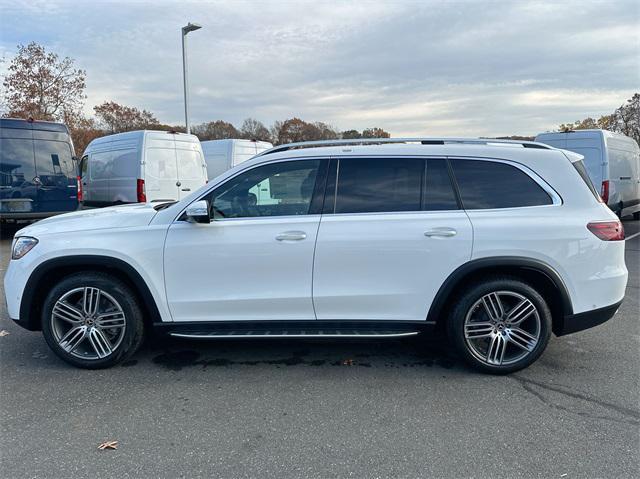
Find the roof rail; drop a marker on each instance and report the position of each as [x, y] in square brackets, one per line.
[423, 141]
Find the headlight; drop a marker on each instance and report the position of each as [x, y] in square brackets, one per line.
[22, 245]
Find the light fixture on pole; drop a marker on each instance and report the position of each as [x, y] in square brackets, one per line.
[190, 27]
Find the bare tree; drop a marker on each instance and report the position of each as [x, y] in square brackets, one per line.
[628, 118]
[215, 130]
[625, 120]
[115, 118]
[253, 129]
[42, 86]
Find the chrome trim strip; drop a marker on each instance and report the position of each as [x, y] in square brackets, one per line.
[313, 335]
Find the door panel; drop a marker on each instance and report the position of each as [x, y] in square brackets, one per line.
[396, 234]
[254, 261]
[240, 270]
[384, 266]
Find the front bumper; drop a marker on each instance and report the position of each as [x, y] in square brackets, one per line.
[573, 323]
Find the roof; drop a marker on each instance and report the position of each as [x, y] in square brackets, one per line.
[137, 135]
[22, 124]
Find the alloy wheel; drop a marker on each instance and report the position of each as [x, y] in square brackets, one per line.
[502, 328]
[88, 323]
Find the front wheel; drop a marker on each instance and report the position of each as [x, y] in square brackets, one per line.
[92, 320]
[500, 325]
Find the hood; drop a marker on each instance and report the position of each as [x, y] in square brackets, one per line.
[124, 216]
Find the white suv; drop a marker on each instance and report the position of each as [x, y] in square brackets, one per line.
[499, 243]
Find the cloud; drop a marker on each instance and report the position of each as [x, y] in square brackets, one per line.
[440, 68]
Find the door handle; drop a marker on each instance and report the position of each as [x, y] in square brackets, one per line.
[291, 236]
[186, 189]
[441, 233]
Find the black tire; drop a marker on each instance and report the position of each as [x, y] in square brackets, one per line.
[467, 304]
[636, 215]
[128, 342]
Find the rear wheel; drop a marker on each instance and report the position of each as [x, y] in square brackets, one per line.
[92, 320]
[636, 215]
[500, 325]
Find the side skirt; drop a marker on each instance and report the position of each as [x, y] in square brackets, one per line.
[294, 329]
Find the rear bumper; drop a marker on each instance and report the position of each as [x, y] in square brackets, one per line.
[573, 323]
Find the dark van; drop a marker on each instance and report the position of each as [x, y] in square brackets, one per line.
[37, 170]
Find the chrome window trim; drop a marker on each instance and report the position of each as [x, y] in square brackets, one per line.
[244, 170]
[556, 199]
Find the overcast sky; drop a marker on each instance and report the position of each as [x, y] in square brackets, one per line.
[413, 68]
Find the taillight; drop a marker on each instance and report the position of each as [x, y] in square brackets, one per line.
[142, 196]
[604, 192]
[607, 230]
[79, 185]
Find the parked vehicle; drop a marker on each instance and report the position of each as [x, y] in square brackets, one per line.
[141, 166]
[37, 170]
[612, 161]
[500, 243]
[221, 155]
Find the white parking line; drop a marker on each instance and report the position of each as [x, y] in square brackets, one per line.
[632, 236]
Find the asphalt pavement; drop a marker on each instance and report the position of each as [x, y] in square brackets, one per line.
[402, 408]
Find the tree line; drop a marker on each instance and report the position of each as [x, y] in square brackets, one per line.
[41, 85]
[625, 120]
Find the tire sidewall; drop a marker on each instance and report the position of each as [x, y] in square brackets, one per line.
[473, 294]
[121, 293]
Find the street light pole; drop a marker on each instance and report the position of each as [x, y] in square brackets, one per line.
[190, 27]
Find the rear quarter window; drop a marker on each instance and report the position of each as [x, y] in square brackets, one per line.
[485, 184]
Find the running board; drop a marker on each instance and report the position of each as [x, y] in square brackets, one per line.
[222, 334]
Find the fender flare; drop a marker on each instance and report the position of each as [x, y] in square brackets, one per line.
[29, 302]
[462, 272]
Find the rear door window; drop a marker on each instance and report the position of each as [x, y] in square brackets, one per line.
[189, 164]
[371, 185]
[54, 163]
[487, 184]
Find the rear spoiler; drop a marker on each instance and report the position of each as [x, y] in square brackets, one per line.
[572, 156]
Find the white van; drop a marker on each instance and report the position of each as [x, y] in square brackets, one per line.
[141, 166]
[612, 161]
[222, 155]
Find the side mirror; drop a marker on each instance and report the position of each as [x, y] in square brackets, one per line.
[198, 212]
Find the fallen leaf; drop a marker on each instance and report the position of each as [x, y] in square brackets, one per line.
[108, 445]
[4, 332]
